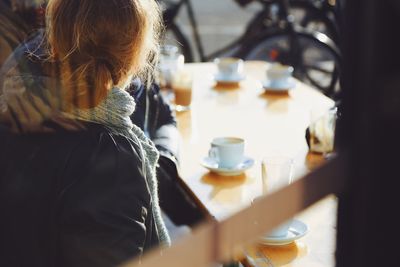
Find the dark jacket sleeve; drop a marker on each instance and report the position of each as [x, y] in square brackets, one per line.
[105, 213]
[156, 117]
[175, 200]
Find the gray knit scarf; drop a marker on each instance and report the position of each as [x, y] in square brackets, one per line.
[114, 113]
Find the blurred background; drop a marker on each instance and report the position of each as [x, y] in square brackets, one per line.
[304, 34]
[219, 21]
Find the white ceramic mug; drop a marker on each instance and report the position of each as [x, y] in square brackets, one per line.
[279, 75]
[227, 151]
[229, 67]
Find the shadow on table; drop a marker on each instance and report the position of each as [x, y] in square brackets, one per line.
[278, 255]
[226, 86]
[225, 189]
[276, 102]
[225, 181]
[314, 160]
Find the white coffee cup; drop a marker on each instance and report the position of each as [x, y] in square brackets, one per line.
[281, 230]
[227, 151]
[229, 67]
[279, 75]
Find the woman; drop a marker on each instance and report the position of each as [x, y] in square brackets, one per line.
[78, 185]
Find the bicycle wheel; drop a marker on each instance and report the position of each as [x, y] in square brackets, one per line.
[315, 62]
[174, 36]
[311, 18]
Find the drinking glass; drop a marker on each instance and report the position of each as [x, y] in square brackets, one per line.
[182, 82]
[322, 131]
[277, 172]
[170, 62]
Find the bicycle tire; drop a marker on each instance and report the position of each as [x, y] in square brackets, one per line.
[173, 35]
[317, 63]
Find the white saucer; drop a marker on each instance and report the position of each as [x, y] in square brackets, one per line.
[229, 79]
[268, 85]
[212, 165]
[297, 229]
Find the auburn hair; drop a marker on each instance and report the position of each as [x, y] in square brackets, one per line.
[100, 44]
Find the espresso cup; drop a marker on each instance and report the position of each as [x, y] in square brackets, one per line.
[229, 66]
[227, 151]
[281, 230]
[279, 74]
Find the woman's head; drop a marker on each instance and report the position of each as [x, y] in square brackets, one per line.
[101, 43]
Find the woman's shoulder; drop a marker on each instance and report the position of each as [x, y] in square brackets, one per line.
[103, 142]
[93, 147]
[103, 138]
[106, 162]
[94, 159]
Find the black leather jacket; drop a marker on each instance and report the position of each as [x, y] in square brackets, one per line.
[156, 118]
[72, 199]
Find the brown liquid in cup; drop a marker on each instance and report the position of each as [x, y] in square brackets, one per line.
[183, 96]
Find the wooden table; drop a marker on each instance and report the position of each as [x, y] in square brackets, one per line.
[271, 124]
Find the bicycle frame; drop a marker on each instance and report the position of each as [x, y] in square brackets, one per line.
[248, 34]
[253, 29]
[257, 28]
[173, 12]
[170, 15]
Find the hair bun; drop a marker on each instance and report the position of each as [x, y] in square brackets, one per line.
[109, 66]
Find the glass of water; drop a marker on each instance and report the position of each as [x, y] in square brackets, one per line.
[170, 62]
[322, 131]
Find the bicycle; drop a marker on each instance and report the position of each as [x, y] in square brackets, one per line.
[318, 15]
[272, 35]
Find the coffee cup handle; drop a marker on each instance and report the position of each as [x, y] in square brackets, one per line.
[213, 153]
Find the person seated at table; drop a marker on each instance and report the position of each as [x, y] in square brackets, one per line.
[153, 115]
[78, 178]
